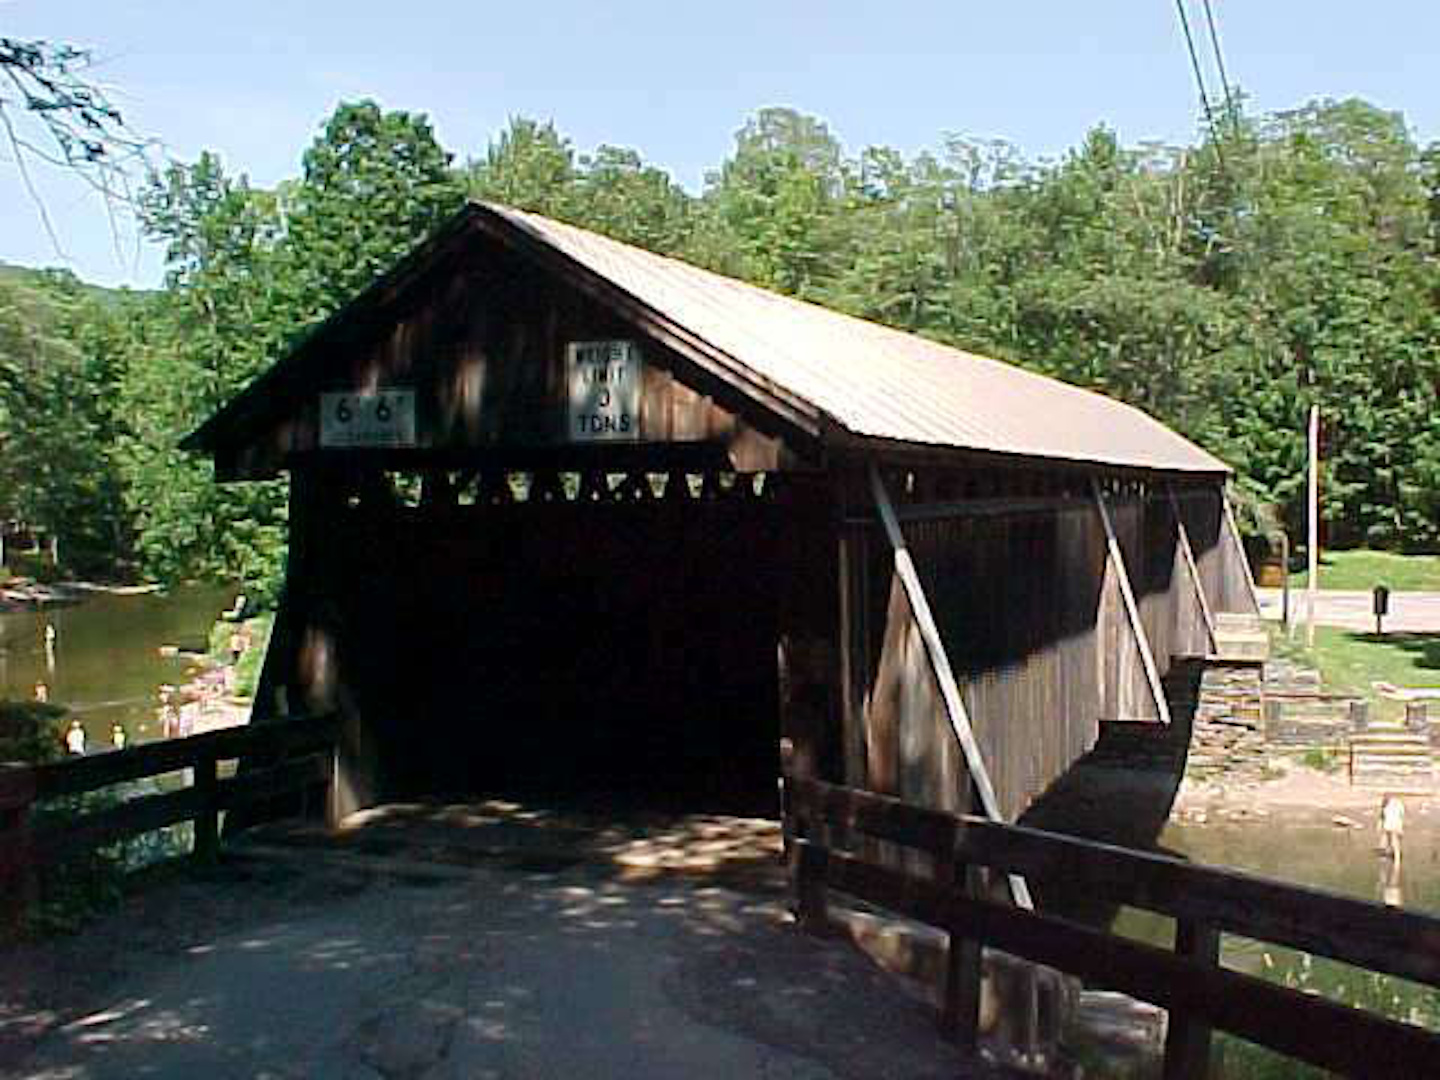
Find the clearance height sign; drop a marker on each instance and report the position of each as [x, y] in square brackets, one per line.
[604, 379]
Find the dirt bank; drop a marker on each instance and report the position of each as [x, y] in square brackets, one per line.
[1300, 794]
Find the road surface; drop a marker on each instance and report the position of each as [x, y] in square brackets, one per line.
[319, 965]
[1410, 612]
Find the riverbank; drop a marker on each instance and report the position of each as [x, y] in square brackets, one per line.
[1294, 793]
[25, 594]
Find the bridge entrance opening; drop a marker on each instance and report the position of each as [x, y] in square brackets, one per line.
[610, 653]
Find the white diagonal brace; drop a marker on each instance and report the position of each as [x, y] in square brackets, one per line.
[1189, 553]
[1132, 610]
[944, 674]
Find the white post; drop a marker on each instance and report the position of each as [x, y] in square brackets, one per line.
[1313, 547]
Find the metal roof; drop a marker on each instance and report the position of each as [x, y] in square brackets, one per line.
[871, 380]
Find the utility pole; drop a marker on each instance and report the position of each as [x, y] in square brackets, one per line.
[1313, 547]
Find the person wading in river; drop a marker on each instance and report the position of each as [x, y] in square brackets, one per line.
[1392, 826]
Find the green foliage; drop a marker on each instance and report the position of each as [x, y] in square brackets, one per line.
[247, 670]
[60, 360]
[532, 167]
[191, 349]
[374, 184]
[1317, 757]
[31, 731]
[252, 661]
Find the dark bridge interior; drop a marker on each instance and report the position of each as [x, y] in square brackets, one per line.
[612, 654]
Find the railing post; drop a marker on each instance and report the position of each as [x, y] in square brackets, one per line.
[960, 1002]
[17, 869]
[331, 795]
[810, 864]
[1187, 1039]
[787, 823]
[207, 819]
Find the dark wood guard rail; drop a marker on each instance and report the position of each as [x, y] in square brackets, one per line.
[1189, 982]
[296, 755]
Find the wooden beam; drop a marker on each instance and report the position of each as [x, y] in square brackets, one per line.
[1132, 610]
[977, 508]
[1189, 554]
[944, 674]
[844, 447]
[74, 775]
[1188, 1036]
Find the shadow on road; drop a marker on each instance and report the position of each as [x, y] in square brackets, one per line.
[469, 939]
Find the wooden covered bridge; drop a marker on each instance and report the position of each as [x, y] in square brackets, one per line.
[569, 518]
[569, 515]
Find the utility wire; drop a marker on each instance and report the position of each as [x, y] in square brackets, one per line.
[1220, 67]
[1200, 82]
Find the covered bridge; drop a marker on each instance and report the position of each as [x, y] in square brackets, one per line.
[568, 515]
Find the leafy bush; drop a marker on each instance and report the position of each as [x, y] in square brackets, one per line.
[31, 731]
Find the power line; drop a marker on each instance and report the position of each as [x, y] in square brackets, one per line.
[1200, 80]
[1220, 67]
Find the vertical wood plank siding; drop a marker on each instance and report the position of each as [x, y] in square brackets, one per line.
[1028, 605]
[1222, 568]
[484, 351]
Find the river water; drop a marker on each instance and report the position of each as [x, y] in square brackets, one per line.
[106, 665]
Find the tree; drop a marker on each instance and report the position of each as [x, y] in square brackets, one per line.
[60, 420]
[52, 111]
[531, 166]
[772, 209]
[194, 347]
[373, 185]
[248, 273]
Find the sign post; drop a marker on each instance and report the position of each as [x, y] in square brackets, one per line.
[1313, 552]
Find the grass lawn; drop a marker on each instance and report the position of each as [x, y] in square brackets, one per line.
[1363, 569]
[1350, 661]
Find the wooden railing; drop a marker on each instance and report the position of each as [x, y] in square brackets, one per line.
[297, 756]
[829, 827]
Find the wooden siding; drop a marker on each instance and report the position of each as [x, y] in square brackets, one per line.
[1222, 564]
[484, 351]
[1028, 603]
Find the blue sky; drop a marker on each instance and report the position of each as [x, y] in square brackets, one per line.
[254, 80]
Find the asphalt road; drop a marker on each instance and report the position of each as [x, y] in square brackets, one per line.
[475, 971]
[1410, 612]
